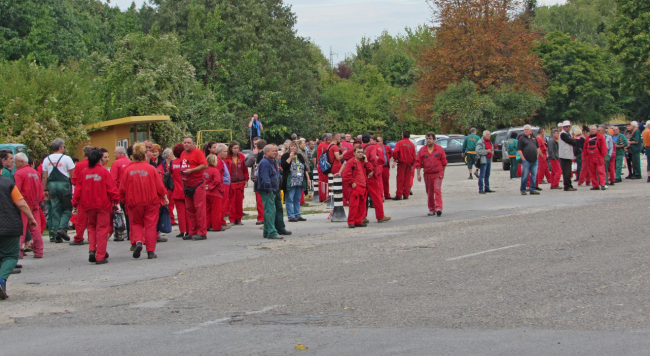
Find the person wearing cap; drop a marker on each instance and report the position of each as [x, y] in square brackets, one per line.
[567, 154]
[433, 160]
[646, 144]
[596, 148]
[469, 151]
[403, 157]
[635, 149]
[620, 142]
[374, 177]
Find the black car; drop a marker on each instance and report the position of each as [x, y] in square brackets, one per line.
[453, 146]
[497, 139]
[519, 130]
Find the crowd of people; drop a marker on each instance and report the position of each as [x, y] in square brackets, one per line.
[199, 188]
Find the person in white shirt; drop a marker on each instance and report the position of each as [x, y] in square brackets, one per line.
[57, 170]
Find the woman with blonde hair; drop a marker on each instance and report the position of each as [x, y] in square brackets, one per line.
[214, 193]
[143, 193]
[238, 182]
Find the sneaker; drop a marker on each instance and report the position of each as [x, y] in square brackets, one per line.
[470, 176]
[151, 255]
[523, 192]
[161, 239]
[138, 250]
[259, 223]
[293, 220]
[63, 235]
[476, 173]
[538, 188]
[594, 188]
[490, 191]
[384, 219]
[558, 187]
[604, 187]
[16, 271]
[285, 232]
[430, 213]
[91, 257]
[275, 237]
[187, 237]
[361, 225]
[102, 262]
[396, 198]
[534, 193]
[438, 212]
[481, 192]
[351, 226]
[118, 239]
[239, 223]
[19, 266]
[132, 248]
[181, 235]
[300, 218]
[406, 198]
[365, 221]
[199, 237]
[76, 243]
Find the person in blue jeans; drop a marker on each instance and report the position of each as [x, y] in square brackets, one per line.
[295, 178]
[529, 151]
[484, 150]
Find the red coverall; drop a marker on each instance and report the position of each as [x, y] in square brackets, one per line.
[356, 172]
[96, 193]
[381, 162]
[29, 184]
[404, 155]
[170, 206]
[584, 172]
[80, 220]
[374, 183]
[194, 205]
[222, 165]
[323, 187]
[434, 164]
[385, 175]
[214, 191]
[238, 178]
[596, 148]
[542, 169]
[142, 191]
[347, 157]
[179, 196]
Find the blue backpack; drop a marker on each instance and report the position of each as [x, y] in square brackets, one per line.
[324, 162]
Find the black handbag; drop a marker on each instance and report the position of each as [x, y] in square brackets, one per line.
[189, 191]
[168, 181]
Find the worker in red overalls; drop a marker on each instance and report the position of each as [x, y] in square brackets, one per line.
[355, 178]
[433, 160]
[596, 148]
[374, 177]
[323, 187]
[542, 170]
[403, 157]
[29, 184]
[385, 174]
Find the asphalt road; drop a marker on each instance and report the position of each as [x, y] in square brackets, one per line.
[496, 274]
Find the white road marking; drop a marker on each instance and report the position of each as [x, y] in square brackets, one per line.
[227, 319]
[482, 252]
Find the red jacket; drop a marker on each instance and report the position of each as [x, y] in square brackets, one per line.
[117, 168]
[434, 162]
[213, 182]
[95, 189]
[404, 151]
[381, 159]
[356, 172]
[595, 146]
[371, 153]
[28, 182]
[542, 146]
[348, 155]
[179, 191]
[77, 170]
[240, 165]
[141, 185]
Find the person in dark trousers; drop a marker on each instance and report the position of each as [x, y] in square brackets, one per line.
[635, 149]
[577, 151]
[255, 127]
[566, 146]
[268, 184]
[251, 161]
[469, 150]
[12, 204]
[295, 180]
[484, 150]
[529, 151]
[511, 147]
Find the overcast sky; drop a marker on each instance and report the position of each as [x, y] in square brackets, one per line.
[342, 23]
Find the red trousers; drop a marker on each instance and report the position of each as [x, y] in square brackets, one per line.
[224, 206]
[597, 171]
[519, 171]
[214, 212]
[385, 175]
[584, 172]
[99, 222]
[374, 190]
[612, 168]
[323, 187]
[404, 180]
[556, 173]
[260, 207]
[357, 210]
[37, 232]
[80, 225]
[171, 206]
[542, 170]
[346, 195]
[143, 221]
[433, 185]
[195, 208]
[181, 213]
[236, 198]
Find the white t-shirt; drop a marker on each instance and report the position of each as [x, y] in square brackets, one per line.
[65, 164]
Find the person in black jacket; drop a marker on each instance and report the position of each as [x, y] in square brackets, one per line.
[295, 180]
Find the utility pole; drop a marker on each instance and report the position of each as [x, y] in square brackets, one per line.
[332, 54]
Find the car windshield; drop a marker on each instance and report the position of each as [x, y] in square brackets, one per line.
[499, 137]
[456, 142]
[443, 143]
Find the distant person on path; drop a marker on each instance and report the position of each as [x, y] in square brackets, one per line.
[635, 149]
[268, 184]
[323, 187]
[596, 148]
[11, 227]
[57, 170]
[511, 148]
[554, 159]
[295, 179]
[374, 178]
[385, 175]
[611, 155]
[193, 164]
[528, 148]
[252, 160]
[433, 160]
[30, 186]
[238, 182]
[469, 150]
[355, 179]
[620, 142]
[484, 151]
[403, 158]
[255, 127]
[542, 169]
[178, 194]
[567, 153]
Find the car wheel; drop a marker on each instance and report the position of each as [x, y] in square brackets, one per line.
[506, 165]
[494, 158]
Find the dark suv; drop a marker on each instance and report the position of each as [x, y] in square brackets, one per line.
[497, 139]
[505, 163]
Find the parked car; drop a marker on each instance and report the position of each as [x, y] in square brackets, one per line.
[453, 145]
[497, 139]
[14, 148]
[421, 140]
[391, 144]
[519, 130]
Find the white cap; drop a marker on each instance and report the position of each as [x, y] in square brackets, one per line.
[647, 123]
[559, 124]
[634, 123]
[566, 123]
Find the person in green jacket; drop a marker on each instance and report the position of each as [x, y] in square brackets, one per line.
[7, 158]
[469, 151]
[635, 149]
[511, 146]
[621, 143]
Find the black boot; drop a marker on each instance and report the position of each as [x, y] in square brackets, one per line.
[151, 255]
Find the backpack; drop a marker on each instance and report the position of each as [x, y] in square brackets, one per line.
[168, 181]
[324, 162]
